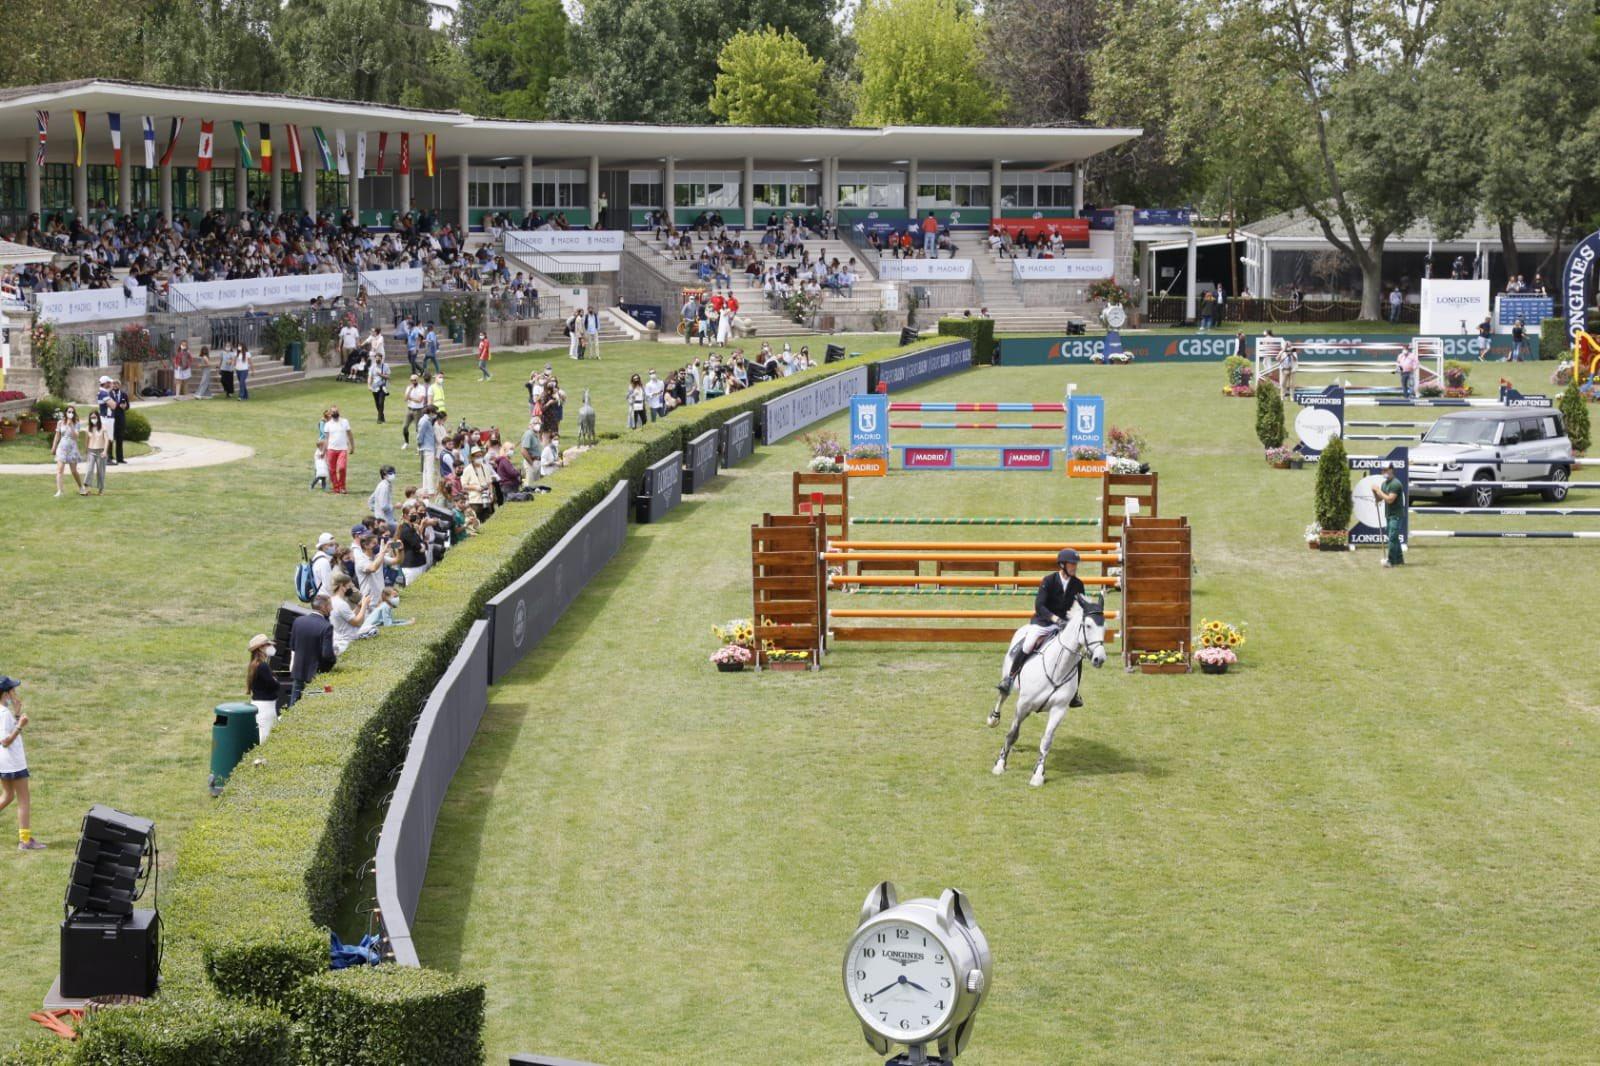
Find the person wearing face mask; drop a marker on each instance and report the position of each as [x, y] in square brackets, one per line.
[262, 684]
[382, 499]
[655, 396]
[341, 445]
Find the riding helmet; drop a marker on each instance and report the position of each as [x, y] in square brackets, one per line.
[1065, 556]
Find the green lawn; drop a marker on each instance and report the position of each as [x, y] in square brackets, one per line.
[1374, 841]
[127, 616]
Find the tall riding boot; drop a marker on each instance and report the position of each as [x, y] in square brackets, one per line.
[1004, 687]
[1077, 691]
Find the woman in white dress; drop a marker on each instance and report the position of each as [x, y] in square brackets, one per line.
[65, 447]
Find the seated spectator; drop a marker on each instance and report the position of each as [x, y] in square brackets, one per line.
[348, 613]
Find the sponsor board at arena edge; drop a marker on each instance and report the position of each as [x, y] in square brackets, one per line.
[1575, 283]
[1450, 306]
[869, 428]
[1086, 418]
[1367, 513]
[1193, 348]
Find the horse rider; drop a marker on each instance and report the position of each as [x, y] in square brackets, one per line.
[1057, 593]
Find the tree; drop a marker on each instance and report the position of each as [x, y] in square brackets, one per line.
[69, 39]
[1575, 413]
[1269, 415]
[214, 44]
[767, 79]
[515, 60]
[386, 51]
[628, 65]
[918, 64]
[1333, 487]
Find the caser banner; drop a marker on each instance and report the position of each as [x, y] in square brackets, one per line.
[1199, 348]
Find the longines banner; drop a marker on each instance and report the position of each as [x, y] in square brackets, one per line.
[1212, 348]
[564, 241]
[1574, 284]
[245, 292]
[798, 409]
[1454, 306]
[662, 489]
[92, 305]
[924, 269]
[738, 439]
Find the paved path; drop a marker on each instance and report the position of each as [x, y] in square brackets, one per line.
[170, 451]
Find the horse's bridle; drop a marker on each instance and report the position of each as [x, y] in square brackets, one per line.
[1083, 626]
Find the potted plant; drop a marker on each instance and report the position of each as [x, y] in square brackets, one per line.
[8, 429]
[1279, 458]
[1455, 380]
[1297, 458]
[49, 409]
[1162, 662]
[732, 658]
[827, 453]
[28, 423]
[1332, 497]
[1333, 540]
[1313, 535]
[737, 636]
[1215, 660]
[1125, 443]
[784, 659]
[1217, 642]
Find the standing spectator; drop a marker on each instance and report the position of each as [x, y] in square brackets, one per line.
[436, 392]
[1519, 342]
[483, 357]
[574, 331]
[65, 448]
[428, 449]
[103, 404]
[262, 685]
[98, 440]
[416, 400]
[378, 382]
[413, 543]
[349, 343]
[591, 333]
[1406, 364]
[1485, 331]
[319, 466]
[241, 372]
[1391, 496]
[203, 363]
[1397, 299]
[341, 445]
[478, 483]
[409, 335]
[930, 236]
[182, 367]
[120, 403]
[14, 764]
[430, 348]
[369, 555]
[311, 643]
[635, 401]
[655, 396]
[226, 364]
[381, 502]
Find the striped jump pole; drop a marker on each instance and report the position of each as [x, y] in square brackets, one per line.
[891, 612]
[977, 425]
[1041, 559]
[1021, 590]
[956, 581]
[1008, 408]
[1520, 512]
[1485, 534]
[975, 545]
[1388, 425]
[899, 520]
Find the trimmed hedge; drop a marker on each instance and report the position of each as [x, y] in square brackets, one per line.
[186, 1031]
[379, 1016]
[1552, 338]
[980, 331]
[261, 873]
[135, 427]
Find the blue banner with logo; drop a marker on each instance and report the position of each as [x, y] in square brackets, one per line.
[1086, 416]
[869, 422]
[1575, 283]
[1368, 513]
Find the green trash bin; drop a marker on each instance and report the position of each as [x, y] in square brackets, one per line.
[295, 354]
[233, 734]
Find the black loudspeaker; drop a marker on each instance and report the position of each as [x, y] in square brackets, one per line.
[287, 613]
[110, 956]
[833, 353]
[1075, 329]
[115, 853]
[908, 336]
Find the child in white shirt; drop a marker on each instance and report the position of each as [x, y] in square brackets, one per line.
[319, 466]
[14, 764]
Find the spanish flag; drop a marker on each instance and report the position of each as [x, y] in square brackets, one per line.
[246, 160]
[79, 121]
[429, 146]
[266, 148]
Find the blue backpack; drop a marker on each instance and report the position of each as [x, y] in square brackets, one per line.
[305, 581]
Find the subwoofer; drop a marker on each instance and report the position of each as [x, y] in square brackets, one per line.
[110, 956]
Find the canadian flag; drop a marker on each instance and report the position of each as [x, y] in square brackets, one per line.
[206, 131]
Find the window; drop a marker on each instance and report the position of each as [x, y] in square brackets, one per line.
[786, 189]
[146, 189]
[56, 187]
[1532, 430]
[103, 187]
[13, 187]
[872, 189]
[1025, 188]
[1551, 429]
[500, 188]
[333, 191]
[644, 188]
[711, 189]
[222, 190]
[186, 189]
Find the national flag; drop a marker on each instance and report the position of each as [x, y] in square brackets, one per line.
[291, 137]
[361, 152]
[339, 153]
[79, 121]
[149, 142]
[266, 148]
[246, 160]
[172, 140]
[42, 118]
[207, 144]
[429, 147]
[114, 120]
[383, 147]
[322, 147]
[405, 152]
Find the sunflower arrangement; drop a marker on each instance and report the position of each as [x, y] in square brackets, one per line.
[1215, 633]
[740, 631]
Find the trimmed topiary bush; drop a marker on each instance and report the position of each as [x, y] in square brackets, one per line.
[187, 1031]
[41, 1049]
[135, 427]
[1269, 415]
[1575, 413]
[980, 331]
[1552, 338]
[375, 1016]
[1333, 487]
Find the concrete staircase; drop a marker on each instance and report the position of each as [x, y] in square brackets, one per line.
[1016, 307]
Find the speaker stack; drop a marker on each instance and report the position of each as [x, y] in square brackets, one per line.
[108, 945]
[908, 336]
[833, 353]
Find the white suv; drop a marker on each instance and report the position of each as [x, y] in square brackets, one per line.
[1465, 452]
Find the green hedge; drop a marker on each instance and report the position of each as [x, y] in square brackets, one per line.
[186, 1031]
[261, 873]
[135, 427]
[1552, 338]
[377, 1017]
[980, 331]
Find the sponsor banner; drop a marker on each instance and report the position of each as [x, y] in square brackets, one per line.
[644, 314]
[866, 467]
[1106, 217]
[1530, 310]
[1321, 419]
[700, 461]
[1086, 417]
[1450, 306]
[869, 422]
[738, 438]
[662, 489]
[1074, 231]
[797, 409]
[914, 458]
[1061, 269]
[92, 305]
[1574, 281]
[1369, 514]
[244, 292]
[565, 241]
[1026, 458]
[903, 371]
[1512, 398]
[523, 613]
[391, 282]
[925, 269]
[1202, 348]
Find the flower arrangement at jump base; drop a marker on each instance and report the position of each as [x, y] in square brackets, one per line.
[738, 640]
[1241, 376]
[827, 453]
[1171, 661]
[1455, 380]
[1218, 639]
[1123, 442]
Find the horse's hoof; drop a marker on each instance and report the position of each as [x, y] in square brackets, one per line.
[1036, 780]
[999, 768]
[993, 720]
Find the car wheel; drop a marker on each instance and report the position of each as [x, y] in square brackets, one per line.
[1481, 494]
[1556, 493]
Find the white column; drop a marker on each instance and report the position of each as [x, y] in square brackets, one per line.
[594, 191]
[405, 192]
[463, 179]
[747, 192]
[125, 185]
[355, 187]
[1190, 266]
[1078, 172]
[1149, 279]
[830, 186]
[241, 186]
[308, 181]
[205, 191]
[995, 185]
[669, 184]
[275, 189]
[166, 193]
[80, 193]
[1265, 281]
[33, 171]
[527, 185]
[911, 189]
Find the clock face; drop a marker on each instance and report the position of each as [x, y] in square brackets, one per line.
[900, 980]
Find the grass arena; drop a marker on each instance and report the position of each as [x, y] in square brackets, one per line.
[1372, 840]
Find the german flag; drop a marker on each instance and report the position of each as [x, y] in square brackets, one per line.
[79, 121]
[429, 144]
[266, 148]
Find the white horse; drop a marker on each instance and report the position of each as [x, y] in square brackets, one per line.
[1050, 678]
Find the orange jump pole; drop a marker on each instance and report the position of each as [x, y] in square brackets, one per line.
[1022, 584]
[974, 545]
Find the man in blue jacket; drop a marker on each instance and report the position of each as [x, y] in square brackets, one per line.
[310, 647]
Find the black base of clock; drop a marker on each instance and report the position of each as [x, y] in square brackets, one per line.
[905, 1059]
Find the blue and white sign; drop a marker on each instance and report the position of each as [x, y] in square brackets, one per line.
[1575, 284]
[1321, 419]
[1086, 423]
[869, 422]
[1367, 512]
[1512, 398]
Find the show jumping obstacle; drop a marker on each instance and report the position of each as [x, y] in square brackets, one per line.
[944, 456]
[1273, 357]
